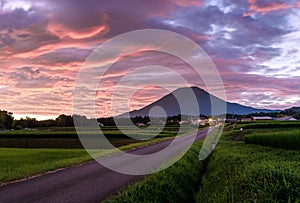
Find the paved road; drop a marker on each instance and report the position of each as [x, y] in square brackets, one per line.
[90, 182]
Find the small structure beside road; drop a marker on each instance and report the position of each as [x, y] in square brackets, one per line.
[261, 118]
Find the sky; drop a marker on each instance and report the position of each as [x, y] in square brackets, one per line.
[43, 45]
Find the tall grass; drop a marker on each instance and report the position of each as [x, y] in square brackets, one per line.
[174, 184]
[21, 163]
[250, 173]
[284, 139]
[271, 125]
[60, 137]
[235, 172]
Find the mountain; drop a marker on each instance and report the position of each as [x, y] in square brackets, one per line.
[293, 109]
[170, 105]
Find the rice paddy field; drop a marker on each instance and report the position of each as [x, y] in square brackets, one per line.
[280, 139]
[19, 163]
[25, 153]
[236, 171]
[67, 138]
[253, 162]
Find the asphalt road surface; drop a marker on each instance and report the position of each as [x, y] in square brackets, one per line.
[90, 182]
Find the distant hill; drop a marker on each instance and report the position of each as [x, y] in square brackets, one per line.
[293, 109]
[170, 104]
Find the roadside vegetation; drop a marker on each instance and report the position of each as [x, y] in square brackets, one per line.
[174, 184]
[19, 163]
[66, 137]
[37, 151]
[282, 139]
[238, 172]
[269, 124]
[234, 172]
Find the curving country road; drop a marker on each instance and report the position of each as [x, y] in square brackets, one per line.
[90, 182]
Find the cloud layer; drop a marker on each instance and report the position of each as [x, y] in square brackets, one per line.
[44, 44]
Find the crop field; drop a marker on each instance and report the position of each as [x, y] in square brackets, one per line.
[66, 137]
[29, 152]
[19, 163]
[234, 172]
[174, 184]
[239, 172]
[269, 124]
[281, 139]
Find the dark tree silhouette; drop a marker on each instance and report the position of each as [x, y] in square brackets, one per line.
[64, 121]
[6, 119]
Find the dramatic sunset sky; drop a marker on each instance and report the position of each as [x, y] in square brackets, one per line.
[43, 44]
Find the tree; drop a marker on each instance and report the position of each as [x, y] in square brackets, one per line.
[6, 119]
[297, 116]
[64, 121]
[28, 122]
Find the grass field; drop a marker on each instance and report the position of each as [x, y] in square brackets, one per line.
[17, 163]
[238, 172]
[175, 184]
[21, 163]
[269, 124]
[38, 151]
[66, 137]
[235, 172]
[281, 139]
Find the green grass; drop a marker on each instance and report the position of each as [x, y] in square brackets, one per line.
[66, 137]
[21, 163]
[17, 163]
[239, 172]
[174, 184]
[27, 156]
[234, 172]
[270, 125]
[251, 173]
[283, 139]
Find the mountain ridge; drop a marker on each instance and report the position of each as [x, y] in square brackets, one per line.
[171, 107]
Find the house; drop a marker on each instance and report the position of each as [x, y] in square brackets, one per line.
[231, 120]
[182, 122]
[261, 118]
[200, 121]
[246, 119]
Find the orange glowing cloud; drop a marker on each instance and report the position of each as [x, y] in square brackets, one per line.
[253, 8]
[188, 3]
[89, 32]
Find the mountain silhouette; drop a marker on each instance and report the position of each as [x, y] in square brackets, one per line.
[293, 109]
[169, 103]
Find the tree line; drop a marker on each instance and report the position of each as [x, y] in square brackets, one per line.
[7, 120]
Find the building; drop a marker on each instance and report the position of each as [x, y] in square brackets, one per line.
[231, 120]
[200, 121]
[246, 119]
[261, 118]
[183, 122]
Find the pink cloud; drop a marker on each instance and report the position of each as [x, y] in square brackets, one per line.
[272, 6]
[53, 41]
